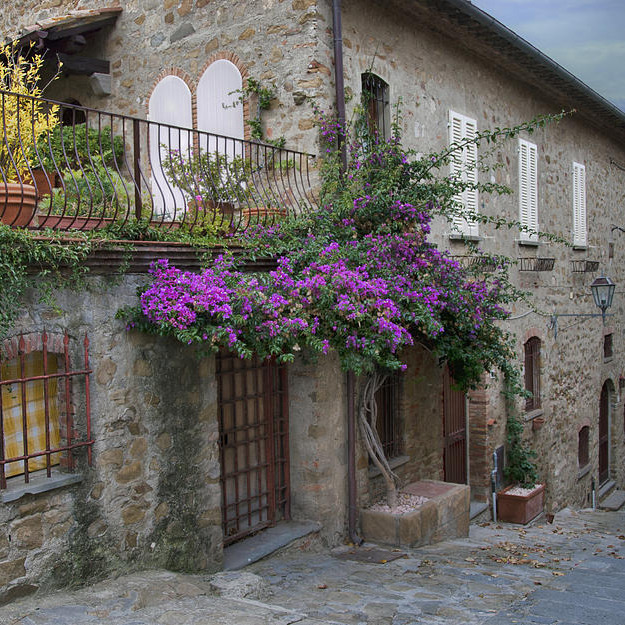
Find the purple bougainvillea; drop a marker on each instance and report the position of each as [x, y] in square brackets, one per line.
[357, 275]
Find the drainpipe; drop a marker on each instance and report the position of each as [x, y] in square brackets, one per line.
[351, 411]
[339, 78]
[351, 461]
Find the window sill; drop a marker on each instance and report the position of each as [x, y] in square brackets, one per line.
[583, 471]
[580, 248]
[532, 414]
[393, 462]
[39, 483]
[528, 243]
[456, 236]
[608, 359]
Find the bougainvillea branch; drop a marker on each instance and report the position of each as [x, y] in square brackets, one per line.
[358, 275]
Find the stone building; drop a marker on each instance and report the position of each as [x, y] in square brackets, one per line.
[162, 487]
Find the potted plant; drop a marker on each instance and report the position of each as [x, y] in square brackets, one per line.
[523, 500]
[25, 120]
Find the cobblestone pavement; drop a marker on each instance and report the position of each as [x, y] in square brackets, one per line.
[571, 572]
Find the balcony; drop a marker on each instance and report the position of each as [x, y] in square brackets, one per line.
[72, 168]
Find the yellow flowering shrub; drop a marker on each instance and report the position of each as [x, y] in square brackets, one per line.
[23, 120]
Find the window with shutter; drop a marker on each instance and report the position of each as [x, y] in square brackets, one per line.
[170, 103]
[528, 190]
[463, 166]
[219, 108]
[579, 205]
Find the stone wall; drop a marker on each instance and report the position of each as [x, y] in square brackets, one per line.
[277, 41]
[152, 496]
[318, 444]
[288, 44]
[421, 426]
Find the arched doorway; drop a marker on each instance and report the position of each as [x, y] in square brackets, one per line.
[604, 433]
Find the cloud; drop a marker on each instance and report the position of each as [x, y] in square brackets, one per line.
[584, 36]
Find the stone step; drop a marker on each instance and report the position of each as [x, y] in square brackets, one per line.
[614, 501]
[265, 543]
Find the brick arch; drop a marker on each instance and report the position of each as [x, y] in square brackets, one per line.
[172, 71]
[531, 332]
[33, 342]
[236, 61]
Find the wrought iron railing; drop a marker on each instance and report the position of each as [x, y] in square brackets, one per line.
[70, 167]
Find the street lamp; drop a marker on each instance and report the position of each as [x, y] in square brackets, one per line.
[603, 293]
[602, 290]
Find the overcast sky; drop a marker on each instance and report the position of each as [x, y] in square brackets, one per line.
[587, 37]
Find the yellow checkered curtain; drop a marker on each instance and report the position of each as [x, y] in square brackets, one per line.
[35, 412]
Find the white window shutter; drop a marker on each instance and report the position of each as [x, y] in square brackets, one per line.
[463, 165]
[528, 189]
[579, 205]
[219, 108]
[471, 195]
[170, 103]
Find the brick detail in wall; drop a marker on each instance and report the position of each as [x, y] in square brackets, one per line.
[479, 453]
[192, 84]
[236, 61]
[33, 342]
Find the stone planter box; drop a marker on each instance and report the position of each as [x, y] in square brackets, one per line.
[445, 515]
[520, 508]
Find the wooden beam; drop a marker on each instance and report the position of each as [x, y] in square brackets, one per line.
[60, 31]
[83, 65]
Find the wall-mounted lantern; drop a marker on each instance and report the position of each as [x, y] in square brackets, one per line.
[603, 293]
[602, 290]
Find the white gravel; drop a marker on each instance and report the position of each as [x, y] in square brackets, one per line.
[405, 503]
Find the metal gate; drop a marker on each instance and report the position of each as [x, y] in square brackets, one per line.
[254, 444]
[454, 431]
[604, 437]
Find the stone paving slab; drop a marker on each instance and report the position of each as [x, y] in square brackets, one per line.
[568, 573]
[614, 501]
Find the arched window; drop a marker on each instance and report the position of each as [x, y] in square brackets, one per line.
[376, 102]
[170, 103]
[532, 373]
[219, 108]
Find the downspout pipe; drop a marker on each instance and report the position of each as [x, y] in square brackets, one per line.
[352, 517]
[339, 83]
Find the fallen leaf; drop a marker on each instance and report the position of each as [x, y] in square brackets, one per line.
[322, 586]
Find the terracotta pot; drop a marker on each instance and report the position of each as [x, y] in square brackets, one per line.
[520, 508]
[44, 182]
[537, 423]
[17, 203]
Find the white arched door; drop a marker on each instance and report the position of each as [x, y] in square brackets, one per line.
[219, 108]
[170, 103]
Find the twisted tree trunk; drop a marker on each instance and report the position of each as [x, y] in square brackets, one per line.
[367, 418]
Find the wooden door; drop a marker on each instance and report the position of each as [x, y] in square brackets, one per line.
[604, 436]
[253, 434]
[454, 431]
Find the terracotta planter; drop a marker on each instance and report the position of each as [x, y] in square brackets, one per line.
[17, 203]
[45, 182]
[537, 423]
[260, 215]
[520, 508]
